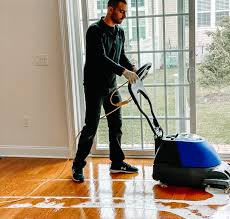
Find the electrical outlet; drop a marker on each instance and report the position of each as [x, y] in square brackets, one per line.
[41, 60]
[26, 121]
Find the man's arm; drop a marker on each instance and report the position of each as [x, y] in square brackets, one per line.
[95, 52]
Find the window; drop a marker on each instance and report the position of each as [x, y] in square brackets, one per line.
[222, 10]
[186, 21]
[203, 5]
[220, 16]
[140, 3]
[101, 7]
[101, 4]
[186, 17]
[203, 13]
[141, 28]
[222, 5]
[147, 31]
[204, 19]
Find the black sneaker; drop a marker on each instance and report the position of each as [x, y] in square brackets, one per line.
[77, 174]
[123, 168]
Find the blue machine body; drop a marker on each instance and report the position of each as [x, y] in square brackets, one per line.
[183, 159]
[195, 151]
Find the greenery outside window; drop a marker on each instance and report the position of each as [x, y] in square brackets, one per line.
[222, 10]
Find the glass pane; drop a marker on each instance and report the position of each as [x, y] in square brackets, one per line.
[172, 127]
[142, 25]
[213, 121]
[151, 7]
[103, 134]
[222, 4]
[129, 109]
[186, 31]
[96, 9]
[171, 32]
[133, 57]
[93, 21]
[146, 34]
[131, 9]
[176, 6]
[151, 34]
[171, 6]
[204, 19]
[203, 5]
[177, 64]
[156, 73]
[186, 6]
[172, 70]
[148, 136]
[220, 16]
[172, 100]
[131, 138]
[213, 84]
[156, 96]
[130, 29]
[178, 101]
[101, 4]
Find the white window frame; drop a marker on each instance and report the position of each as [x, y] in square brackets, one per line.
[74, 78]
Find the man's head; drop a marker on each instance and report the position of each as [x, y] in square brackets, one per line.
[117, 10]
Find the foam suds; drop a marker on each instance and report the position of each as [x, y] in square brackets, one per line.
[217, 206]
[25, 205]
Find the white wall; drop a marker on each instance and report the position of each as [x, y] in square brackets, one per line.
[29, 93]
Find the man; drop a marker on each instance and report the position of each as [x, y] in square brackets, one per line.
[105, 58]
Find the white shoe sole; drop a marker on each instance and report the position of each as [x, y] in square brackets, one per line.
[77, 180]
[122, 171]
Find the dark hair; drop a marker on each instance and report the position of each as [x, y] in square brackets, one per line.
[114, 3]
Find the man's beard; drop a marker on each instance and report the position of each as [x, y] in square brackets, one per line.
[116, 20]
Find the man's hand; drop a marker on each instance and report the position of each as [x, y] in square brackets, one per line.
[130, 76]
[134, 69]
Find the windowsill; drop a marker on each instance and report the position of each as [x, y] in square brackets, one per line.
[220, 148]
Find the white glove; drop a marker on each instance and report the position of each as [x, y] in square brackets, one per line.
[130, 76]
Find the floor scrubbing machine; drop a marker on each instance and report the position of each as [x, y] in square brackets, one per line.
[183, 159]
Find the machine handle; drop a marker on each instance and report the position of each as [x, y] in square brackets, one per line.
[143, 70]
[138, 88]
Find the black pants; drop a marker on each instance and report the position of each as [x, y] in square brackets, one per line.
[94, 101]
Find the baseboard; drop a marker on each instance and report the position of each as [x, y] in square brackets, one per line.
[34, 151]
[55, 152]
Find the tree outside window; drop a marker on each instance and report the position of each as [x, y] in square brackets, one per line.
[222, 10]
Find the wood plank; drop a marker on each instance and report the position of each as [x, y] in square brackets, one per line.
[102, 195]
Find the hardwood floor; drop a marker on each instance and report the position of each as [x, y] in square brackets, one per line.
[102, 195]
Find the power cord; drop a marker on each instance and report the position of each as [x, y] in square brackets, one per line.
[118, 105]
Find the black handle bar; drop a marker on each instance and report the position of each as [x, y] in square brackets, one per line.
[137, 89]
